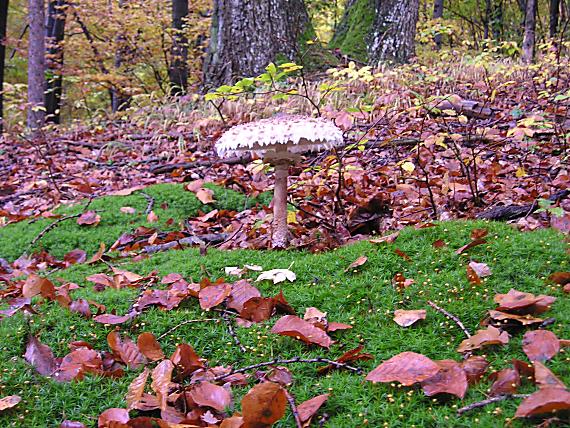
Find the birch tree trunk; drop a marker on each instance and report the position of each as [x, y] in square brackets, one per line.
[55, 32]
[438, 14]
[36, 65]
[3, 24]
[529, 32]
[394, 31]
[178, 70]
[247, 35]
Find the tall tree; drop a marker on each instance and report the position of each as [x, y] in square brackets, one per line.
[178, 69]
[554, 15]
[393, 31]
[3, 25]
[529, 31]
[55, 32]
[119, 99]
[351, 34]
[246, 36]
[438, 14]
[36, 65]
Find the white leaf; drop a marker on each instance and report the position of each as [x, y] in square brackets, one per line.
[277, 275]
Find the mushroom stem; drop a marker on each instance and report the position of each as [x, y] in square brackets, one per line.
[280, 237]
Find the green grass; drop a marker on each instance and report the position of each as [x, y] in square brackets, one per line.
[364, 298]
[171, 202]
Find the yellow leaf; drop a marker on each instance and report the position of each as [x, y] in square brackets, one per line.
[291, 217]
[521, 172]
[408, 167]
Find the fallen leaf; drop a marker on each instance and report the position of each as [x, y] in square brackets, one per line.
[523, 303]
[109, 416]
[440, 243]
[522, 319]
[232, 422]
[308, 409]
[474, 367]
[151, 217]
[240, 293]
[213, 295]
[506, 381]
[388, 239]
[263, 405]
[35, 285]
[97, 256]
[125, 350]
[9, 402]
[479, 233]
[291, 325]
[407, 368]
[206, 196]
[560, 278]
[40, 356]
[257, 309]
[357, 263]
[277, 276]
[450, 379]
[540, 345]
[210, 395]
[78, 362]
[136, 389]
[112, 319]
[490, 336]
[186, 360]
[81, 306]
[161, 377]
[280, 375]
[72, 424]
[403, 255]
[149, 346]
[544, 378]
[401, 282]
[546, 400]
[481, 269]
[406, 318]
[470, 245]
[348, 357]
[89, 218]
[75, 257]
[128, 210]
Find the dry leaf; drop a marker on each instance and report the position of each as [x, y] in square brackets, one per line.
[89, 218]
[206, 196]
[450, 379]
[210, 395]
[388, 239]
[490, 336]
[308, 409]
[407, 368]
[240, 293]
[213, 295]
[540, 345]
[546, 400]
[506, 381]
[40, 356]
[406, 318]
[472, 244]
[277, 276]
[263, 405]
[149, 346]
[110, 417]
[357, 263]
[544, 378]
[522, 319]
[474, 367]
[136, 389]
[9, 402]
[291, 325]
[161, 377]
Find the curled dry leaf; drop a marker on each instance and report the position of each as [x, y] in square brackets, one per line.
[232, 422]
[291, 325]
[406, 318]
[474, 367]
[97, 256]
[257, 309]
[213, 295]
[136, 389]
[263, 405]
[186, 360]
[481, 269]
[149, 346]
[520, 319]
[348, 357]
[209, 395]
[206, 196]
[125, 350]
[40, 356]
[544, 378]
[308, 409]
[388, 239]
[9, 402]
[543, 401]
[89, 218]
[161, 377]
[407, 368]
[450, 379]
[35, 285]
[540, 345]
[560, 278]
[357, 263]
[506, 381]
[112, 319]
[110, 417]
[401, 282]
[523, 303]
[78, 362]
[280, 375]
[402, 255]
[490, 336]
[151, 217]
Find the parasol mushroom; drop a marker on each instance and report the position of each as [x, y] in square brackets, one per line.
[279, 141]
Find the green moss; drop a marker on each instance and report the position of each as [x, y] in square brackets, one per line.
[365, 298]
[353, 30]
[171, 201]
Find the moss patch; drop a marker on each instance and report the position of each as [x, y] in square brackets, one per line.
[171, 201]
[353, 30]
[364, 298]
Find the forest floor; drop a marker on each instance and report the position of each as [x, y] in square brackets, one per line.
[101, 213]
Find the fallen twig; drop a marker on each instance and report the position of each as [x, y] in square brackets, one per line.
[451, 317]
[294, 410]
[489, 401]
[295, 360]
[190, 240]
[50, 227]
[232, 332]
[150, 201]
[170, 330]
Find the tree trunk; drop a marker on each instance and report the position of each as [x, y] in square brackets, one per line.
[487, 19]
[3, 24]
[438, 14]
[119, 100]
[178, 70]
[529, 31]
[497, 19]
[554, 14]
[246, 36]
[55, 32]
[355, 26]
[36, 65]
[394, 31]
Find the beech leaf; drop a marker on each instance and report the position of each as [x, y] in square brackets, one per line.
[210, 395]
[540, 345]
[213, 295]
[308, 409]
[263, 405]
[291, 325]
[161, 376]
[149, 346]
[407, 368]
[277, 276]
[450, 379]
[546, 400]
[406, 318]
[490, 336]
[357, 263]
[136, 389]
[9, 402]
[109, 416]
[40, 356]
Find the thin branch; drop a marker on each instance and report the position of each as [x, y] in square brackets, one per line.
[318, 360]
[232, 332]
[170, 330]
[294, 410]
[489, 401]
[150, 201]
[50, 227]
[451, 317]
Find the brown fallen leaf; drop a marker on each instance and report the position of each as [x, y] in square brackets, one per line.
[293, 326]
[125, 350]
[560, 278]
[257, 309]
[240, 293]
[388, 239]
[440, 243]
[213, 295]
[186, 360]
[308, 409]
[263, 405]
[481, 269]
[78, 362]
[40, 356]
[523, 303]
[540, 345]
[151, 217]
[407, 368]
[112, 319]
[210, 395]
[401, 282]
[113, 417]
[520, 319]
[470, 245]
[35, 285]
[546, 400]
[206, 196]
[406, 318]
[544, 378]
[161, 377]
[506, 381]
[490, 336]
[235, 421]
[479, 233]
[402, 255]
[450, 379]
[472, 276]
[474, 367]
[357, 263]
[9, 402]
[355, 354]
[149, 346]
[89, 218]
[97, 256]
[136, 389]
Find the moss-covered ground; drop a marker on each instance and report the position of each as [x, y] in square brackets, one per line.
[365, 299]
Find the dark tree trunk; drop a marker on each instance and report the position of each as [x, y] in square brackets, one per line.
[55, 32]
[246, 36]
[178, 70]
[355, 26]
[487, 19]
[394, 31]
[119, 100]
[554, 15]
[529, 32]
[3, 24]
[438, 14]
[497, 19]
[36, 65]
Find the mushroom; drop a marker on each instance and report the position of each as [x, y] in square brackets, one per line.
[279, 141]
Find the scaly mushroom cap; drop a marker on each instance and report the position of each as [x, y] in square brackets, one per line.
[276, 136]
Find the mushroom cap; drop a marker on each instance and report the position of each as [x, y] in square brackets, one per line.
[277, 136]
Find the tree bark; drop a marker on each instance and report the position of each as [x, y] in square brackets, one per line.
[55, 32]
[36, 65]
[554, 15]
[246, 36]
[178, 70]
[3, 25]
[119, 100]
[529, 32]
[438, 14]
[394, 31]
[497, 19]
[355, 26]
